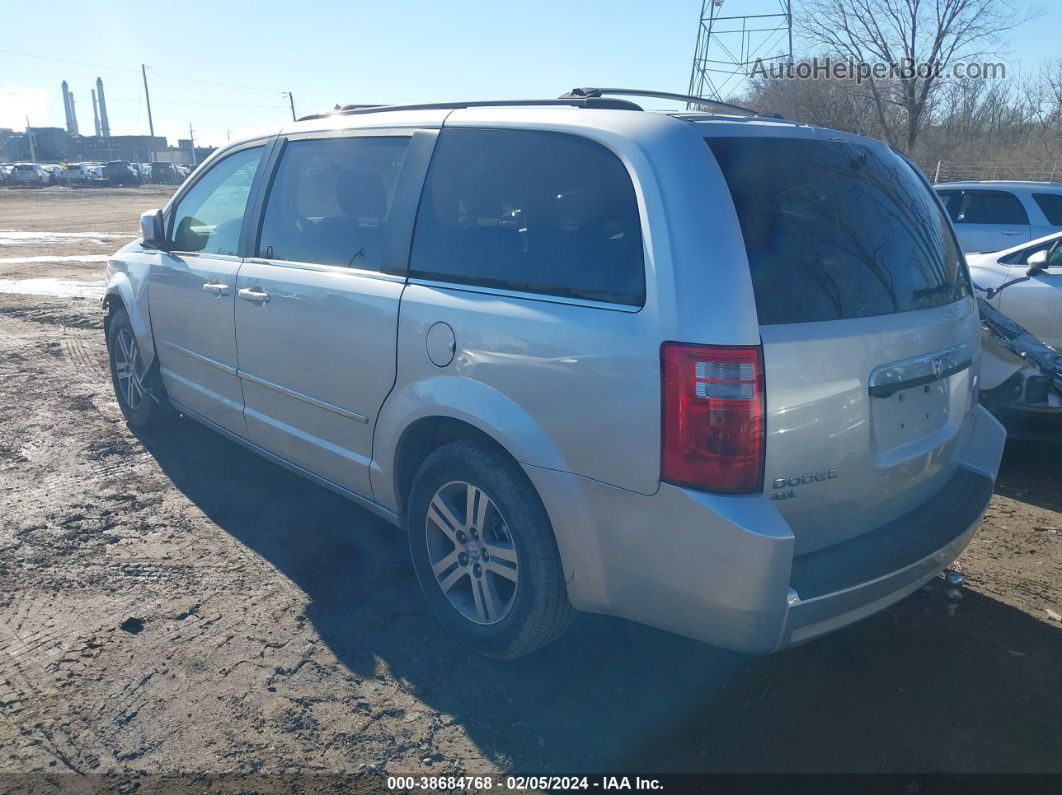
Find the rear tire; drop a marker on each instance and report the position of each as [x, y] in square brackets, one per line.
[484, 552]
[129, 376]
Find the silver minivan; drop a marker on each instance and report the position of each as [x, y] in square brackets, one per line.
[710, 371]
[992, 215]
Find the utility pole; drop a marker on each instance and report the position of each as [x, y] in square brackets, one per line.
[789, 17]
[191, 136]
[291, 101]
[29, 134]
[147, 96]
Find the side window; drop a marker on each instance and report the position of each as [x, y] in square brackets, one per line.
[1050, 205]
[532, 211]
[991, 207]
[1054, 256]
[209, 216]
[1052, 247]
[330, 200]
[951, 199]
[1021, 256]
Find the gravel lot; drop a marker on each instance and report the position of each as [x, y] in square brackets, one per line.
[171, 602]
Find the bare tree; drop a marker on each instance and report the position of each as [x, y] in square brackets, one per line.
[939, 33]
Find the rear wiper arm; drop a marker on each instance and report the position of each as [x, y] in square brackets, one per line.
[925, 292]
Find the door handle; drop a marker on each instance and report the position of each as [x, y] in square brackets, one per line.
[255, 295]
[216, 288]
[1011, 232]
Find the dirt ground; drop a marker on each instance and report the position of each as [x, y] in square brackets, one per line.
[170, 602]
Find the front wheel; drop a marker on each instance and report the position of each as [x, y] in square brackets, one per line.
[484, 552]
[129, 374]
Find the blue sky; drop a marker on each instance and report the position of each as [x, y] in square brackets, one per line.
[366, 52]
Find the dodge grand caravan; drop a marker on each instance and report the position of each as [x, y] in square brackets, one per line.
[709, 371]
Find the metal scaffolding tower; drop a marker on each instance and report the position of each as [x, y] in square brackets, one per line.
[728, 46]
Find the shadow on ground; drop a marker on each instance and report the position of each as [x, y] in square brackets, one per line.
[912, 689]
[1030, 469]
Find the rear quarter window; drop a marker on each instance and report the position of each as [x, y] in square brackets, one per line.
[837, 230]
[1050, 205]
[530, 211]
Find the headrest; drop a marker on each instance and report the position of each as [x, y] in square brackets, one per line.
[360, 193]
[481, 195]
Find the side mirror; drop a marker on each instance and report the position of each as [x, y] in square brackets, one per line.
[152, 229]
[1037, 262]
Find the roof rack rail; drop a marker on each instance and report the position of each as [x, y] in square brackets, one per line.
[578, 102]
[631, 92]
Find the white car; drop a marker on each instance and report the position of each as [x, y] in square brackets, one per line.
[1035, 303]
[82, 174]
[994, 215]
[55, 172]
[29, 174]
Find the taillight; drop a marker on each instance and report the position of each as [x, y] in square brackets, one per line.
[713, 416]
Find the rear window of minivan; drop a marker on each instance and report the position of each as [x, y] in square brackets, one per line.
[837, 230]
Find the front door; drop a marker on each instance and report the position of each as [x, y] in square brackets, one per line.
[1037, 303]
[193, 288]
[316, 319]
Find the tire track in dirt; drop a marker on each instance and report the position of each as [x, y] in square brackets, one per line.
[86, 357]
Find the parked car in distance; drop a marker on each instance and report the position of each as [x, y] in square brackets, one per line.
[162, 172]
[120, 172]
[82, 174]
[55, 172]
[993, 215]
[1035, 303]
[29, 174]
[708, 371]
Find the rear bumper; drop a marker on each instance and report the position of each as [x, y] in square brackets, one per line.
[846, 582]
[721, 568]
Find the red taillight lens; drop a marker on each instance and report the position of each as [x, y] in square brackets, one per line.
[713, 416]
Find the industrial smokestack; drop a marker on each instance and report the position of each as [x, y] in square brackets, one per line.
[73, 116]
[95, 112]
[104, 123]
[66, 108]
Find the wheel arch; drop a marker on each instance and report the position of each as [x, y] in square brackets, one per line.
[423, 437]
[120, 294]
[426, 414]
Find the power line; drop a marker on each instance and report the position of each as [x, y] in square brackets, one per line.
[165, 76]
[159, 102]
[155, 72]
[172, 76]
[64, 60]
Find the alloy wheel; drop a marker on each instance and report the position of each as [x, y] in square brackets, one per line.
[129, 369]
[471, 552]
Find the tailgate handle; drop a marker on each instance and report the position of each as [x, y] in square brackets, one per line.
[888, 379]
